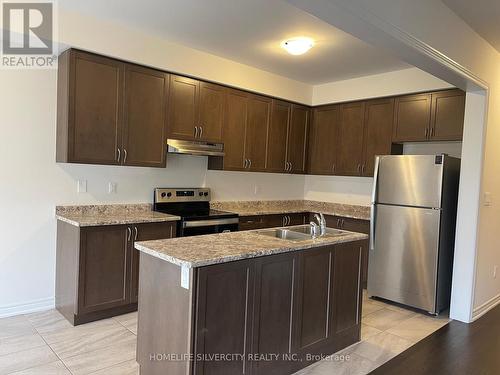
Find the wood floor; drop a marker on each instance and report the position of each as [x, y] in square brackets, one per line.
[457, 348]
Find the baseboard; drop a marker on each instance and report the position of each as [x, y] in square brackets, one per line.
[485, 307]
[26, 308]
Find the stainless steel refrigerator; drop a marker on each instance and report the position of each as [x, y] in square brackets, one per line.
[412, 237]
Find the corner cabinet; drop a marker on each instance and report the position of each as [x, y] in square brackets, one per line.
[287, 305]
[110, 112]
[97, 268]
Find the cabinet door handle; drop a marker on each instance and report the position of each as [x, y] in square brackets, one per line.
[363, 168]
[338, 223]
[135, 233]
[124, 155]
[426, 132]
[359, 168]
[119, 152]
[250, 163]
[432, 132]
[291, 167]
[129, 233]
[343, 222]
[333, 168]
[289, 220]
[201, 131]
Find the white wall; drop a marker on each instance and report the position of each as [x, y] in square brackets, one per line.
[399, 82]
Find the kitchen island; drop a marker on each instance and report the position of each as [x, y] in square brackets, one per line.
[253, 302]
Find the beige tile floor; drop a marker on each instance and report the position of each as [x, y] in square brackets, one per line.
[386, 331]
[46, 344]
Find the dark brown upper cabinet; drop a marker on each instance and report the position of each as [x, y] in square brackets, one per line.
[297, 139]
[145, 112]
[258, 116]
[377, 134]
[447, 116]
[278, 136]
[323, 140]
[110, 112]
[233, 132]
[412, 118]
[286, 149]
[196, 109]
[350, 145]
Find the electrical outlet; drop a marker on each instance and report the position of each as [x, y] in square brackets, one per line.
[256, 189]
[81, 186]
[487, 198]
[111, 187]
[495, 271]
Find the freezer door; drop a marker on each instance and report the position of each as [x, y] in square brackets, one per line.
[403, 261]
[409, 180]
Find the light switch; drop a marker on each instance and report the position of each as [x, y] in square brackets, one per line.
[487, 199]
[81, 186]
[111, 187]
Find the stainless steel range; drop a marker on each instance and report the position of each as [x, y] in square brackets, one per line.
[193, 206]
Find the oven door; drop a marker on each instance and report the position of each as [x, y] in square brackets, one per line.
[210, 226]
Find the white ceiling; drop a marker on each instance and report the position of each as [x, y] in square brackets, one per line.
[482, 15]
[249, 32]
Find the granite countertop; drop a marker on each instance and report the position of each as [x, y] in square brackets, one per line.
[198, 251]
[251, 208]
[116, 214]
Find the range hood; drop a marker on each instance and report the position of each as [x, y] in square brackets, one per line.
[200, 148]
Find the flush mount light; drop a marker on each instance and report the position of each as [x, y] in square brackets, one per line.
[297, 46]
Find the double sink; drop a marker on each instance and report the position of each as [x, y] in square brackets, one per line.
[299, 233]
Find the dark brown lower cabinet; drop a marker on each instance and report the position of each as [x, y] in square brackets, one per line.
[272, 220]
[264, 315]
[97, 268]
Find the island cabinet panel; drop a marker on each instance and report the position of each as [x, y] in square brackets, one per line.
[275, 285]
[297, 139]
[346, 312]
[223, 325]
[313, 296]
[145, 117]
[278, 136]
[350, 147]
[145, 232]
[323, 140]
[110, 112]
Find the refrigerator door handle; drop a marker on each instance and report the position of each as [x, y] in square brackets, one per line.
[372, 227]
[374, 199]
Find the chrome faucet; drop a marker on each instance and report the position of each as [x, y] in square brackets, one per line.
[315, 230]
[320, 218]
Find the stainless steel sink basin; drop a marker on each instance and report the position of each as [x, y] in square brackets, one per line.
[284, 234]
[307, 229]
[298, 233]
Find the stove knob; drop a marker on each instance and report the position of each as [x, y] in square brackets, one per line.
[169, 195]
[163, 195]
[200, 194]
[205, 194]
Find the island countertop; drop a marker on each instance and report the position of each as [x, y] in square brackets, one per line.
[198, 251]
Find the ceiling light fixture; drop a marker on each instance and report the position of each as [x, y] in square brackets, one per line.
[297, 46]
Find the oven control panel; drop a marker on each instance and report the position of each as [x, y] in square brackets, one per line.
[163, 195]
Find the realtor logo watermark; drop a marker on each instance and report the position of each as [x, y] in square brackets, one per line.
[28, 35]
